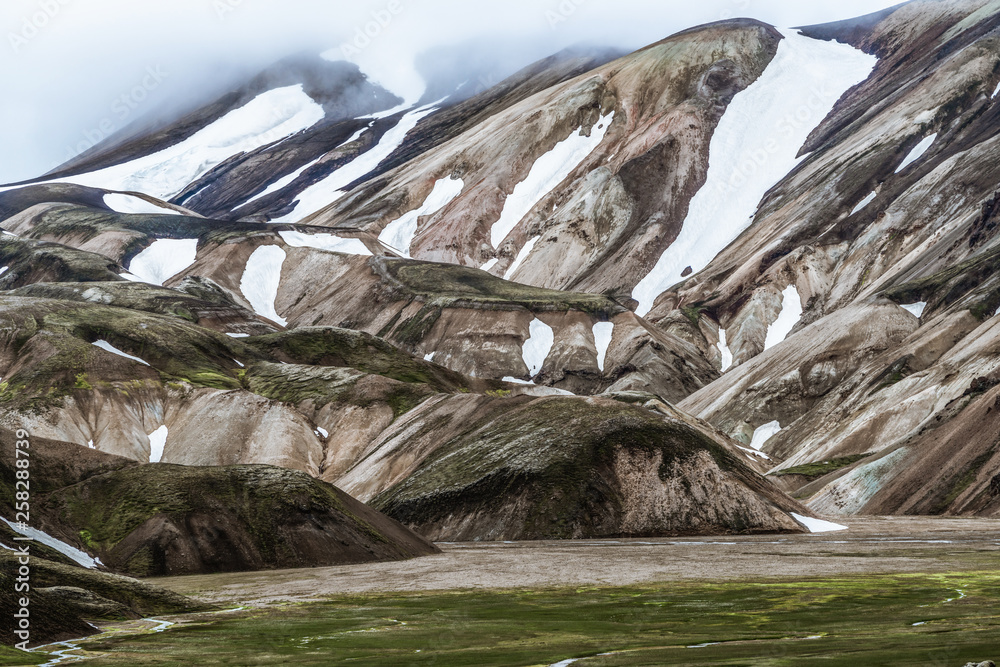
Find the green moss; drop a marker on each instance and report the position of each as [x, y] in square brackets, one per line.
[81, 382]
[821, 468]
[448, 285]
[858, 621]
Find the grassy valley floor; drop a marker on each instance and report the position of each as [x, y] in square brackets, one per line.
[928, 594]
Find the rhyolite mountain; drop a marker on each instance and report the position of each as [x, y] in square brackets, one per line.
[739, 276]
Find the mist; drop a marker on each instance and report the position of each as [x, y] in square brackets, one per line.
[74, 72]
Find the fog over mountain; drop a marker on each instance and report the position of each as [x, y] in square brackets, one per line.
[74, 72]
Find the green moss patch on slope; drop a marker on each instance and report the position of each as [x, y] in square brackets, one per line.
[546, 470]
[31, 261]
[449, 285]
[330, 346]
[163, 519]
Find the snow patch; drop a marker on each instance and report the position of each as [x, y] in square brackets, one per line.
[791, 313]
[727, 354]
[764, 433]
[429, 357]
[281, 183]
[915, 308]
[754, 146]
[537, 347]
[162, 260]
[817, 525]
[864, 202]
[521, 256]
[488, 266]
[261, 281]
[603, 332]
[90, 444]
[108, 347]
[157, 441]
[322, 432]
[399, 234]
[331, 188]
[995, 92]
[72, 553]
[121, 203]
[269, 117]
[328, 242]
[917, 152]
[546, 173]
[238, 335]
[3, 269]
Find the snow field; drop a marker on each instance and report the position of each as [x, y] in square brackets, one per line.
[521, 256]
[157, 441]
[320, 195]
[754, 147]
[269, 117]
[864, 202]
[537, 347]
[764, 433]
[817, 525]
[727, 354]
[603, 331]
[261, 280]
[74, 554]
[399, 234]
[546, 173]
[328, 242]
[917, 152]
[162, 260]
[791, 313]
[108, 347]
[915, 308]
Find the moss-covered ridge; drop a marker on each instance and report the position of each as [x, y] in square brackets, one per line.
[48, 346]
[449, 285]
[331, 346]
[29, 261]
[168, 519]
[545, 470]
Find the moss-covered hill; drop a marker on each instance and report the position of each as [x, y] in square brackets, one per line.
[584, 468]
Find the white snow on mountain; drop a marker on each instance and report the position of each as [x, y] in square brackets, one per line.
[399, 234]
[537, 347]
[269, 117]
[915, 308]
[157, 441]
[755, 145]
[764, 433]
[864, 202]
[108, 347]
[285, 181]
[383, 67]
[261, 280]
[74, 554]
[490, 264]
[330, 189]
[727, 354]
[521, 256]
[281, 183]
[122, 203]
[791, 313]
[817, 525]
[4, 269]
[546, 173]
[603, 332]
[162, 260]
[995, 92]
[329, 242]
[917, 152]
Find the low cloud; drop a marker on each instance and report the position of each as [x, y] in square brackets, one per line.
[67, 65]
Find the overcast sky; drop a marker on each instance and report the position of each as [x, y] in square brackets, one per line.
[72, 71]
